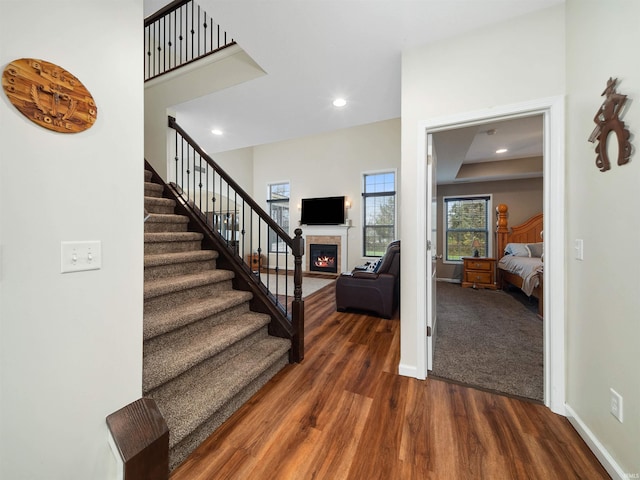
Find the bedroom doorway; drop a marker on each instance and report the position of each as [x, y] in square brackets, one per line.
[551, 114]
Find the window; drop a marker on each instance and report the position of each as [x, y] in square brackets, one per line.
[466, 219]
[379, 212]
[278, 210]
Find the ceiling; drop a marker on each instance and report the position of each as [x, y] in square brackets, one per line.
[315, 50]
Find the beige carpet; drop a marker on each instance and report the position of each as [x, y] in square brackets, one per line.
[487, 339]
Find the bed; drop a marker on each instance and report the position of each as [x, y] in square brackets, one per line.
[521, 255]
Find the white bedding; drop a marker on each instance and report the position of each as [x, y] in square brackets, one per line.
[525, 267]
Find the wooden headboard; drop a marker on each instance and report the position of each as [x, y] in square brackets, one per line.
[527, 232]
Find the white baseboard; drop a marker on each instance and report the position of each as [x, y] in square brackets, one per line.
[601, 453]
[449, 280]
[408, 370]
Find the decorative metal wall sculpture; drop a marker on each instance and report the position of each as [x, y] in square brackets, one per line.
[607, 121]
[49, 95]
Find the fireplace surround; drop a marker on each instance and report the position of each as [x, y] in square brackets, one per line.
[323, 258]
[326, 235]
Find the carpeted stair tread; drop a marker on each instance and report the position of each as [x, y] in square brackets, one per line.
[190, 348]
[160, 237]
[159, 201]
[147, 175]
[192, 398]
[167, 218]
[157, 259]
[163, 321]
[163, 286]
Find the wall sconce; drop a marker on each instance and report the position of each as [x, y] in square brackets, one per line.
[475, 245]
[299, 206]
[347, 203]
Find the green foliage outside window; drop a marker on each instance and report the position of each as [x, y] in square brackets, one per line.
[379, 200]
[466, 220]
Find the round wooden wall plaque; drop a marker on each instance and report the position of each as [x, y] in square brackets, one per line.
[49, 95]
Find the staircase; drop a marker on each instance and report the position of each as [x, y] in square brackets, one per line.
[205, 352]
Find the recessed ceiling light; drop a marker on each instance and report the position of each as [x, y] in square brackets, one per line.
[501, 150]
[339, 102]
[216, 131]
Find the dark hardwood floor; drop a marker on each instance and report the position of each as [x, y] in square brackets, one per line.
[344, 413]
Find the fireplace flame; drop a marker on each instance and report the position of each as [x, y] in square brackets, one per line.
[324, 261]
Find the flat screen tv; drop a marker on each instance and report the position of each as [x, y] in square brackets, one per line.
[322, 211]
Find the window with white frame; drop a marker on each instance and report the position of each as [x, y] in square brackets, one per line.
[278, 201]
[379, 212]
[467, 227]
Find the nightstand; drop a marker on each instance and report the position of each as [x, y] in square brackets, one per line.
[479, 272]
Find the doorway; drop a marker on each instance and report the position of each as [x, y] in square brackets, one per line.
[552, 112]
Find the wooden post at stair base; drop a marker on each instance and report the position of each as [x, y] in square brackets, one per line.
[141, 437]
[297, 307]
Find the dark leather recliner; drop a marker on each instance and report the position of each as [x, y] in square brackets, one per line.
[377, 291]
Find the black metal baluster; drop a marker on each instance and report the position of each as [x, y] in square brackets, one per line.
[176, 156]
[171, 41]
[200, 182]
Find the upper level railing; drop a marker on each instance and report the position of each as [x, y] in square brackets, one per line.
[178, 34]
[250, 235]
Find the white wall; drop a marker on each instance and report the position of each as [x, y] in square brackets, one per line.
[603, 290]
[505, 64]
[238, 164]
[70, 345]
[329, 164]
[228, 67]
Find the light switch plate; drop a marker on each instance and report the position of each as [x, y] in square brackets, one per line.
[80, 256]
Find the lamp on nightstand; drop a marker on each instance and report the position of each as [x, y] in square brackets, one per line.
[476, 245]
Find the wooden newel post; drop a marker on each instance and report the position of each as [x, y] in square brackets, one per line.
[297, 308]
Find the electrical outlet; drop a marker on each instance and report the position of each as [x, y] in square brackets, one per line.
[616, 404]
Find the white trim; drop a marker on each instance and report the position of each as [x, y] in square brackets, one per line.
[422, 203]
[407, 370]
[601, 453]
[552, 109]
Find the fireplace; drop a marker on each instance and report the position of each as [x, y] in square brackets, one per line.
[323, 258]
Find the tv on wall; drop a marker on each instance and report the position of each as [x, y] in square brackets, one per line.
[322, 211]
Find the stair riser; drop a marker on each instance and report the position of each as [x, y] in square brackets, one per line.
[158, 227]
[170, 300]
[162, 271]
[152, 248]
[153, 190]
[181, 451]
[151, 382]
[154, 206]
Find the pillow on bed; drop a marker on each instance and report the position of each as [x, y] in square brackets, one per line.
[535, 249]
[516, 249]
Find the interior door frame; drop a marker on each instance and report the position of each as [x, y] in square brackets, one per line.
[553, 111]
